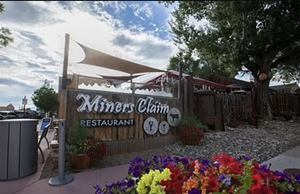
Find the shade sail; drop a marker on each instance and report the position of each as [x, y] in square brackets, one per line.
[100, 59]
[121, 78]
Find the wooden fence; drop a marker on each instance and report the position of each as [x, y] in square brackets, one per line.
[240, 106]
[122, 139]
[235, 106]
[285, 102]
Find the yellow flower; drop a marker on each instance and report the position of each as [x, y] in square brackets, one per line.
[150, 183]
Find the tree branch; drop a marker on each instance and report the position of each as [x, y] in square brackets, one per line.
[273, 50]
[280, 61]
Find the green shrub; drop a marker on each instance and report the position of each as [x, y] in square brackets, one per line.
[287, 115]
[234, 124]
[77, 139]
[190, 120]
[191, 130]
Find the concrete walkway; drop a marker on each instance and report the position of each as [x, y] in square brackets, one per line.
[288, 159]
[83, 182]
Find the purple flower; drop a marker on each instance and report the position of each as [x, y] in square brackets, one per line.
[297, 177]
[206, 163]
[131, 183]
[216, 164]
[147, 170]
[202, 170]
[222, 177]
[283, 176]
[264, 168]
[184, 161]
[248, 158]
[194, 191]
[98, 189]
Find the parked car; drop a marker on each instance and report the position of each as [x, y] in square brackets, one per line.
[20, 113]
[9, 115]
[40, 115]
[31, 114]
[1, 117]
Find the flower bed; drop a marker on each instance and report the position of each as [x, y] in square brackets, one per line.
[224, 174]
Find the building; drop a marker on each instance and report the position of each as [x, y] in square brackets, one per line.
[287, 88]
[7, 107]
[233, 83]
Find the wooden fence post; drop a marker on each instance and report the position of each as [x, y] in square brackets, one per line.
[189, 94]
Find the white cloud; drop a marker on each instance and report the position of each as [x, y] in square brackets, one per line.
[39, 31]
[145, 9]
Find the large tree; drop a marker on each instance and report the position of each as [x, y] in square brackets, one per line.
[45, 98]
[199, 67]
[261, 36]
[5, 34]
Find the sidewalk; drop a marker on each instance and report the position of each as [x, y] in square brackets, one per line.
[288, 159]
[83, 182]
[10, 187]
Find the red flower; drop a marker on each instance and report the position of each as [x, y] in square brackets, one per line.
[218, 157]
[257, 187]
[213, 183]
[257, 179]
[235, 168]
[226, 160]
[261, 190]
[177, 187]
[174, 185]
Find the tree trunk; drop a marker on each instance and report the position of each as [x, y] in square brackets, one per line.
[263, 105]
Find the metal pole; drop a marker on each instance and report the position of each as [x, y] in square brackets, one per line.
[62, 178]
[61, 151]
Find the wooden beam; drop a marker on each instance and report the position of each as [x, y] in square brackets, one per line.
[66, 62]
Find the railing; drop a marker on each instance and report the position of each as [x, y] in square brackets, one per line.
[121, 86]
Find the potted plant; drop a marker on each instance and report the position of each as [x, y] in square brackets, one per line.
[96, 150]
[191, 130]
[77, 148]
[287, 115]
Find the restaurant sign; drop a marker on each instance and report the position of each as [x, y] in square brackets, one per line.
[101, 105]
[106, 122]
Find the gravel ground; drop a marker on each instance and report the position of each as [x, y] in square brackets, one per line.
[269, 140]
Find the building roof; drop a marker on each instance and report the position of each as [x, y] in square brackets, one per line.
[5, 105]
[281, 87]
[229, 81]
[196, 80]
[292, 88]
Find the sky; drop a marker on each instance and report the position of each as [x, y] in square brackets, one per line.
[137, 31]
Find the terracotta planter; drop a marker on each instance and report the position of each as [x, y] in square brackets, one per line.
[79, 162]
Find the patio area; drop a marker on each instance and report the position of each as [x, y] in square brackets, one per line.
[85, 181]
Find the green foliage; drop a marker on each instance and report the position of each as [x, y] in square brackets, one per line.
[77, 133]
[287, 115]
[191, 130]
[5, 33]
[258, 35]
[246, 179]
[45, 98]
[191, 119]
[77, 142]
[241, 36]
